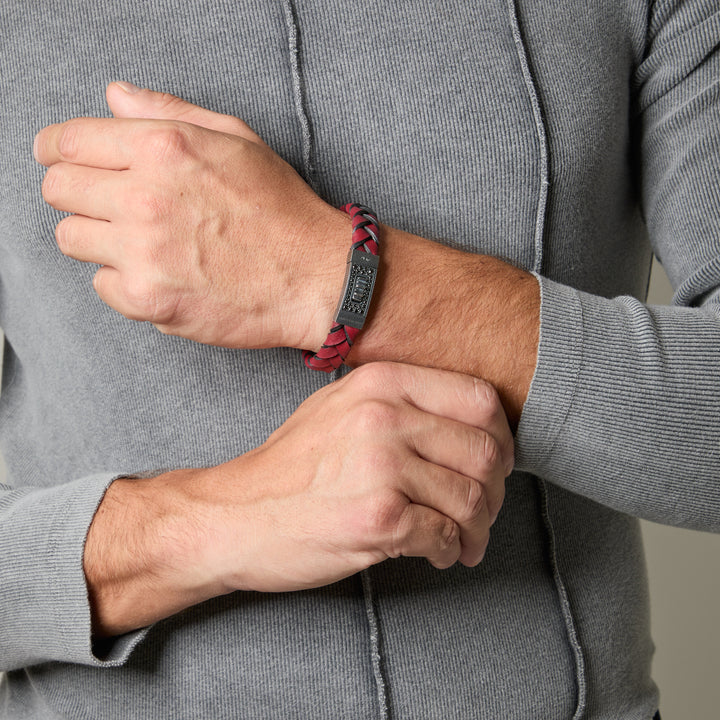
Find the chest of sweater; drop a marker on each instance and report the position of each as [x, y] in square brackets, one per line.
[471, 123]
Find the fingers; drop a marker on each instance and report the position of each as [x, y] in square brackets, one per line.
[447, 394]
[95, 142]
[424, 532]
[465, 399]
[119, 144]
[469, 451]
[137, 298]
[88, 240]
[127, 101]
[84, 190]
[130, 137]
[457, 497]
[459, 446]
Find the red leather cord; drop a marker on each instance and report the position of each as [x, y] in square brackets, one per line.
[341, 337]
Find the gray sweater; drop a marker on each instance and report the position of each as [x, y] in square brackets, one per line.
[572, 141]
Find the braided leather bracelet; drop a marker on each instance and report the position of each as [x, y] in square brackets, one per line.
[362, 266]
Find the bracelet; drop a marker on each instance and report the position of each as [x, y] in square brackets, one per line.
[360, 274]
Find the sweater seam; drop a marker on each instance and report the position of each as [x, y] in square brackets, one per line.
[541, 134]
[565, 606]
[375, 645]
[299, 90]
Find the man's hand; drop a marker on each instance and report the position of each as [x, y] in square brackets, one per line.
[391, 460]
[200, 227]
[199, 224]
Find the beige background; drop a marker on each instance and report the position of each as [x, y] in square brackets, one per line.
[684, 570]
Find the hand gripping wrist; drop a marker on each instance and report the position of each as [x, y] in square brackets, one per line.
[352, 310]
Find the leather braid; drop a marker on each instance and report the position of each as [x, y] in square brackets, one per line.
[364, 228]
[341, 337]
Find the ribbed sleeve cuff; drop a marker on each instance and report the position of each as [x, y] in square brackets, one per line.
[556, 375]
[45, 609]
[623, 406]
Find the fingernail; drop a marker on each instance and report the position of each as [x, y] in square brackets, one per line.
[128, 87]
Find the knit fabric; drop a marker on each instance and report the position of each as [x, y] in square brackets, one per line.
[571, 142]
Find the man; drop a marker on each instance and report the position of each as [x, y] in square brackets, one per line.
[498, 129]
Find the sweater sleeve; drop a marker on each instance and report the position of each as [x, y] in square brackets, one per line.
[624, 407]
[44, 608]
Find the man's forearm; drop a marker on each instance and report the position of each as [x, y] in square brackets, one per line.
[434, 306]
[141, 557]
[411, 462]
[440, 307]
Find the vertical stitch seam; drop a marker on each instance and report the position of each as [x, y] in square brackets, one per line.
[375, 656]
[565, 605]
[299, 91]
[541, 134]
[309, 170]
[537, 268]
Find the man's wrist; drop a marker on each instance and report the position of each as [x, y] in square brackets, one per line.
[361, 271]
[328, 248]
[144, 553]
[467, 312]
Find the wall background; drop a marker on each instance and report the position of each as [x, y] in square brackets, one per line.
[684, 571]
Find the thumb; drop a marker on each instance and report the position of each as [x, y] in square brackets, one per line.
[128, 101]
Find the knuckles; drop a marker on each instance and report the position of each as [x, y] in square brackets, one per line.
[167, 142]
[486, 397]
[475, 503]
[491, 473]
[383, 513]
[487, 400]
[374, 417]
[448, 539]
[374, 378]
[488, 452]
[53, 183]
[68, 141]
[150, 206]
[65, 236]
[148, 301]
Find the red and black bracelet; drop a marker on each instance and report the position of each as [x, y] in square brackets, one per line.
[362, 267]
